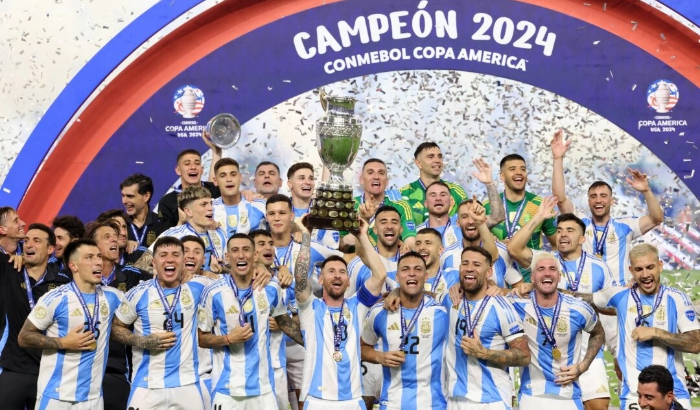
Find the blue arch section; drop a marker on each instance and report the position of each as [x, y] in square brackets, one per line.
[79, 89]
[687, 8]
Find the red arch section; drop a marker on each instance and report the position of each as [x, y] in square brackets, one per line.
[232, 19]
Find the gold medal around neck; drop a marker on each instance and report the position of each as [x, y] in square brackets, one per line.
[92, 346]
[556, 354]
[337, 356]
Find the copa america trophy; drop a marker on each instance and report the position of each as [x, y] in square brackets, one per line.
[338, 135]
[223, 131]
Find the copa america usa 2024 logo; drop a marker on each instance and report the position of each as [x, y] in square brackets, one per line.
[188, 101]
[662, 96]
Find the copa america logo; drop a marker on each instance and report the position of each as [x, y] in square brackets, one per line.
[662, 96]
[188, 101]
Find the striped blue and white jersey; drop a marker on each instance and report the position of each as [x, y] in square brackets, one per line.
[358, 274]
[204, 354]
[479, 380]
[214, 241]
[505, 270]
[241, 369]
[324, 378]
[417, 383]
[74, 376]
[575, 317]
[142, 307]
[287, 255]
[278, 339]
[442, 281]
[451, 234]
[620, 235]
[674, 314]
[240, 218]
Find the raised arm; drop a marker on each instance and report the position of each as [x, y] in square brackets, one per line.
[145, 262]
[488, 241]
[302, 289]
[155, 341]
[371, 259]
[216, 154]
[290, 328]
[30, 337]
[485, 176]
[655, 215]
[517, 246]
[559, 148]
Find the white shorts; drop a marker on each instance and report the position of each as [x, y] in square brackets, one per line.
[264, 401]
[609, 324]
[205, 388]
[462, 403]
[313, 403]
[594, 383]
[295, 365]
[173, 398]
[548, 402]
[47, 403]
[281, 389]
[372, 379]
[630, 403]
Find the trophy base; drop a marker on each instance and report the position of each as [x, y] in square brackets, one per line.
[333, 209]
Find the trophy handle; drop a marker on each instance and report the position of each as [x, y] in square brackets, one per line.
[323, 96]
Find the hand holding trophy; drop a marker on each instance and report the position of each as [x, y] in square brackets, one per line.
[223, 131]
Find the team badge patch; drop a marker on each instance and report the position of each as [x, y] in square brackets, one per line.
[201, 315]
[248, 306]
[690, 314]
[425, 326]
[346, 313]
[40, 312]
[150, 238]
[103, 310]
[186, 299]
[262, 304]
[233, 221]
[124, 308]
[562, 327]
[244, 220]
[122, 287]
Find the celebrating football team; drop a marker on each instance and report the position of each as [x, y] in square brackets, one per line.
[227, 298]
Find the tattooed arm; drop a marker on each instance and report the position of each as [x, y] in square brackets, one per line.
[569, 374]
[30, 337]
[688, 342]
[517, 354]
[145, 262]
[301, 268]
[156, 341]
[588, 298]
[498, 214]
[290, 327]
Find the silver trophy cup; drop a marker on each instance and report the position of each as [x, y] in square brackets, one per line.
[223, 131]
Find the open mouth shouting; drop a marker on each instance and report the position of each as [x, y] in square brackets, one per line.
[470, 231]
[412, 284]
[307, 190]
[337, 286]
[647, 283]
[190, 265]
[97, 274]
[389, 234]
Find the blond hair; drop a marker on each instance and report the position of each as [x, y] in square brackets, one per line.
[540, 256]
[643, 249]
[191, 194]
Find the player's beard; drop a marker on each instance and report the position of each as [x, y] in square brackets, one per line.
[475, 287]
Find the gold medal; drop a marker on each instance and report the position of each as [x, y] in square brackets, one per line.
[337, 356]
[556, 354]
[92, 346]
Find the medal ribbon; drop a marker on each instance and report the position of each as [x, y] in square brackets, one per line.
[599, 247]
[28, 286]
[573, 283]
[471, 324]
[135, 231]
[436, 281]
[638, 302]
[548, 331]
[510, 226]
[407, 329]
[91, 320]
[339, 327]
[169, 309]
[241, 302]
[109, 279]
[287, 255]
[214, 252]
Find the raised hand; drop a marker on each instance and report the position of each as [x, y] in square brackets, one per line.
[637, 180]
[558, 145]
[546, 209]
[485, 173]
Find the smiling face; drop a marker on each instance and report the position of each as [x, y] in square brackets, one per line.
[62, 240]
[194, 258]
[473, 272]
[13, 227]
[429, 247]
[411, 275]
[189, 168]
[302, 184]
[387, 227]
[86, 265]
[514, 175]
[264, 250]
[228, 179]
[37, 248]
[466, 224]
[646, 271]
[134, 203]
[334, 279]
[107, 242]
[168, 261]
[241, 256]
[374, 179]
[651, 399]
[123, 238]
[600, 201]
[267, 180]
[430, 162]
[545, 276]
[569, 237]
[279, 216]
[200, 212]
[437, 200]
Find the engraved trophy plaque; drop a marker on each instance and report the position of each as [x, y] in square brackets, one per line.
[338, 135]
[223, 131]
